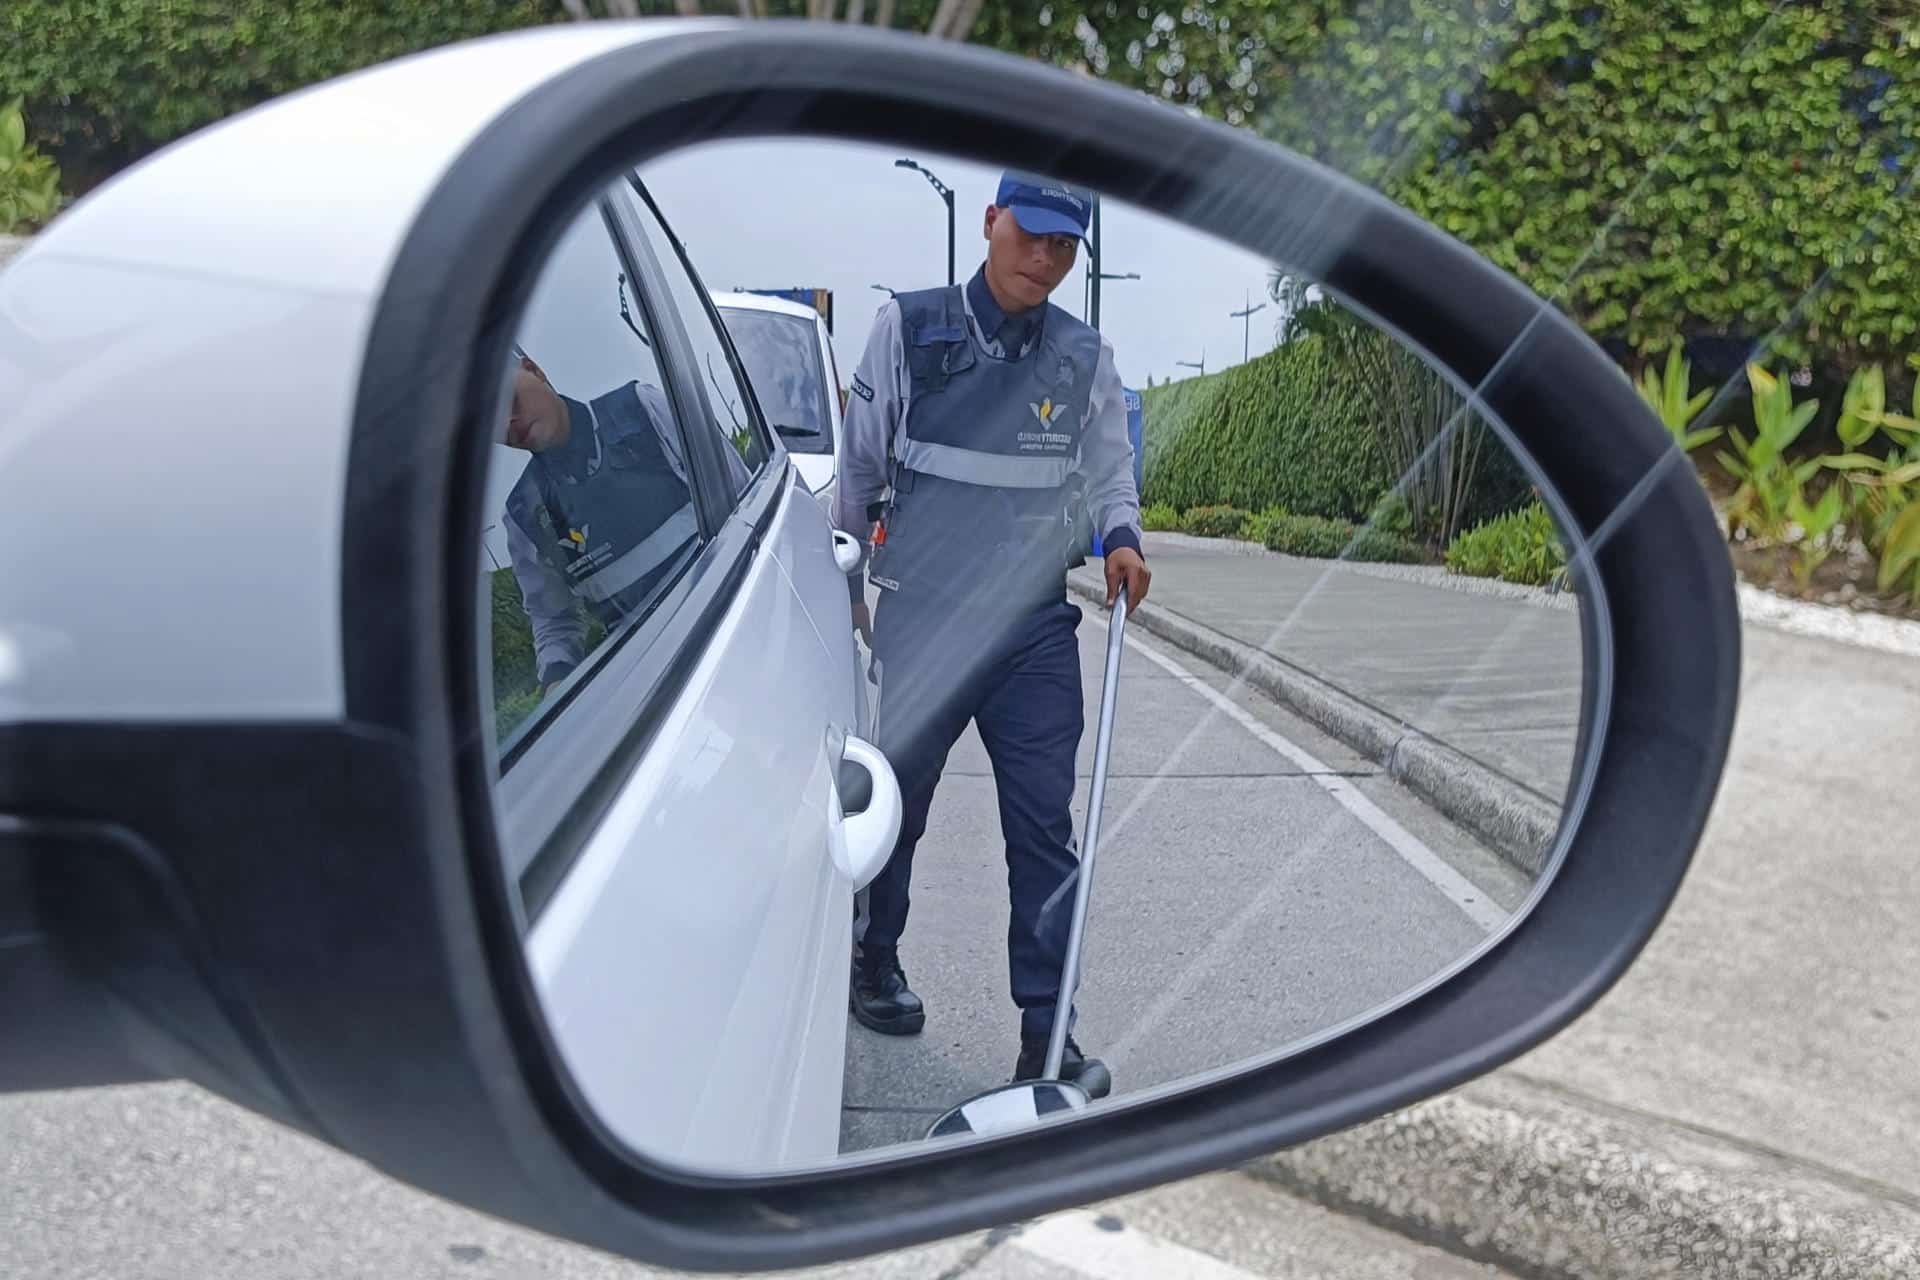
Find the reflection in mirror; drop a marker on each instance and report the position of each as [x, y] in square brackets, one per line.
[1348, 718]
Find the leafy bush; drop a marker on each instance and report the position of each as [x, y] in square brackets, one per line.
[1159, 518]
[1322, 538]
[1391, 516]
[1317, 536]
[1377, 547]
[1769, 483]
[1669, 397]
[1522, 546]
[1215, 521]
[29, 181]
[516, 683]
[1260, 522]
[1736, 177]
[1883, 503]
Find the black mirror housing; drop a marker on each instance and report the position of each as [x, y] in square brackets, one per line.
[326, 935]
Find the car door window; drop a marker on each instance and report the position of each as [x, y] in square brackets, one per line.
[721, 380]
[590, 506]
[782, 356]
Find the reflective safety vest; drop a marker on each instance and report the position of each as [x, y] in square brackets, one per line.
[985, 494]
[616, 513]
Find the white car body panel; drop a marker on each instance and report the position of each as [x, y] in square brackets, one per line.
[170, 544]
[180, 358]
[713, 867]
[110, 322]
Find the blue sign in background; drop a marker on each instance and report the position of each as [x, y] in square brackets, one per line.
[1136, 429]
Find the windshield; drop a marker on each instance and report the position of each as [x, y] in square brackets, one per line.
[782, 356]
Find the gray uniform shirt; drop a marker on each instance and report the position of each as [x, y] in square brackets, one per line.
[559, 627]
[877, 414]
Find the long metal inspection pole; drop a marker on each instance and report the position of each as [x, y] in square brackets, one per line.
[1083, 890]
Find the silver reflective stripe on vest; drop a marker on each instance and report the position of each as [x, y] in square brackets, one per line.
[654, 550]
[970, 466]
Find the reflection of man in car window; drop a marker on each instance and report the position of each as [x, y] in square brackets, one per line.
[599, 516]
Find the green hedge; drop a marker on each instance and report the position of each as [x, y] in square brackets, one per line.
[1279, 430]
[1216, 521]
[1159, 518]
[1325, 539]
[1522, 546]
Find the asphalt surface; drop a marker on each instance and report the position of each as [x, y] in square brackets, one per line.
[165, 1182]
[1239, 907]
[1779, 1003]
[1246, 898]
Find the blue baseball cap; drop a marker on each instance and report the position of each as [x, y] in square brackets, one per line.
[1044, 207]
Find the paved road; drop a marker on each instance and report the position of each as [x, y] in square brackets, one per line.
[165, 1182]
[1777, 1007]
[1779, 1004]
[1240, 903]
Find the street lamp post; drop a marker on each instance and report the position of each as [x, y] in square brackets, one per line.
[946, 194]
[1093, 285]
[1093, 266]
[1189, 364]
[1245, 316]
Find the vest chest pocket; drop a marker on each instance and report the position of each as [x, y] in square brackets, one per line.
[628, 450]
[936, 353]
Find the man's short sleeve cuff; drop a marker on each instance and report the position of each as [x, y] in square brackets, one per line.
[1122, 537]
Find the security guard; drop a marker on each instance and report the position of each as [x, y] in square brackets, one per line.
[986, 437]
[601, 511]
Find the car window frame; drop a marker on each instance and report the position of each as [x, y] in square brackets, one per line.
[516, 744]
[777, 452]
[560, 784]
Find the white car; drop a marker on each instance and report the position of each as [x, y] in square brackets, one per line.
[314, 792]
[789, 358]
[203, 503]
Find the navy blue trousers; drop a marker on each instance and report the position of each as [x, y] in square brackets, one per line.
[1018, 680]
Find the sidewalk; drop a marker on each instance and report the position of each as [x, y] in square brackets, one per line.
[1764, 1048]
[1494, 677]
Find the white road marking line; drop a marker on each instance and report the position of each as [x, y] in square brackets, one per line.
[1077, 1241]
[1473, 902]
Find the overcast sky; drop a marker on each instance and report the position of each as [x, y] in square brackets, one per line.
[827, 214]
[834, 215]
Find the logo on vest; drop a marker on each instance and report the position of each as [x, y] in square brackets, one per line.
[1048, 412]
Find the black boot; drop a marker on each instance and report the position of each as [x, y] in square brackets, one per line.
[1090, 1074]
[881, 999]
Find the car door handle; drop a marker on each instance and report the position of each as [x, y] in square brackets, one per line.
[846, 551]
[864, 841]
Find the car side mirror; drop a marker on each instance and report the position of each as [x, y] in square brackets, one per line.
[311, 844]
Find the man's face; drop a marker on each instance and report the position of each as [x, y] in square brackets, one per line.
[1024, 269]
[537, 419]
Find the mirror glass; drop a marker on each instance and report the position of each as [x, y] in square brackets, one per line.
[793, 888]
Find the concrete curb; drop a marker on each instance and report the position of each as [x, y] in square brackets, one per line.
[1514, 819]
[1549, 1184]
